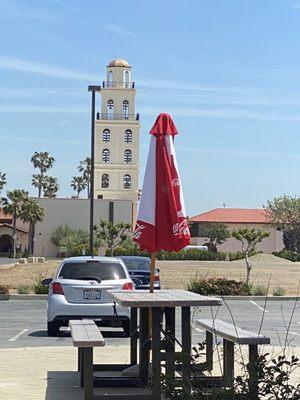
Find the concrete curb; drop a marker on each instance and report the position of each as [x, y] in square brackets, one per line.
[247, 298]
[4, 296]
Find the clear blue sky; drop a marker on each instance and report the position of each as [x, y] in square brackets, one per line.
[227, 71]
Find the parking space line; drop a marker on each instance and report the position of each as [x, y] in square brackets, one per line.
[16, 337]
[258, 306]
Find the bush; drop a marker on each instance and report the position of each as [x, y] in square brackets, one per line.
[23, 289]
[4, 289]
[38, 287]
[215, 286]
[278, 291]
[288, 255]
[259, 290]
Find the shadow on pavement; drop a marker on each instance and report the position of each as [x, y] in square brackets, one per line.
[63, 385]
[106, 334]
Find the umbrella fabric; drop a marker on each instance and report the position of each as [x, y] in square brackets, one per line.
[162, 222]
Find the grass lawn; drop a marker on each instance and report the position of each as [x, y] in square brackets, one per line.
[175, 274]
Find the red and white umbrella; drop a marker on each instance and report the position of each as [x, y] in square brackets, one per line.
[161, 222]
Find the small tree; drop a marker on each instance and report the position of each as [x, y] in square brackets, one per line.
[112, 235]
[50, 187]
[85, 168]
[78, 184]
[217, 234]
[32, 213]
[2, 180]
[249, 237]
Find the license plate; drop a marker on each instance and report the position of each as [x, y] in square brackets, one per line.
[91, 294]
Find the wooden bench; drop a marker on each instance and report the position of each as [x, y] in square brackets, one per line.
[232, 335]
[85, 336]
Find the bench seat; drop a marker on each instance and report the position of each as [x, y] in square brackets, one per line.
[232, 333]
[85, 333]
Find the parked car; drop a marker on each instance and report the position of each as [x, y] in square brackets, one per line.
[139, 271]
[78, 290]
[194, 247]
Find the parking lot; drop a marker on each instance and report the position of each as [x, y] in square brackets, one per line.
[23, 322]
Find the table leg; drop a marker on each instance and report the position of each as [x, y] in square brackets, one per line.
[253, 371]
[156, 361]
[133, 336]
[170, 344]
[186, 348]
[228, 362]
[88, 373]
[144, 345]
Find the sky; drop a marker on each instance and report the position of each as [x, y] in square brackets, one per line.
[227, 71]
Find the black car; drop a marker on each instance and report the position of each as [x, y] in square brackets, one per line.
[139, 271]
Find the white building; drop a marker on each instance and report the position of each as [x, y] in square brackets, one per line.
[117, 130]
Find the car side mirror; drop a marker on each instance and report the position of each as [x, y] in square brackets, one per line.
[47, 281]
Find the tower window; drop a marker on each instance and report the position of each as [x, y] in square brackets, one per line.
[128, 136]
[127, 156]
[110, 79]
[105, 181]
[126, 79]
[126, 109]
[105, 155]
[110, 109]
[106, 136]
[127, 181]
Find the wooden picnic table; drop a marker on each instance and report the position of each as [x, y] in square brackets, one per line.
[159, 302]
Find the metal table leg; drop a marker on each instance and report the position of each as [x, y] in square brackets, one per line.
[186, 348]
[144, 345]
[170, 344]
[133, 336]
[156, 360]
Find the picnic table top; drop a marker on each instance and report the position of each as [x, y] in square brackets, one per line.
[162, 298]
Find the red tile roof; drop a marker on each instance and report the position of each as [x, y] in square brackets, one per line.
[232, 215]
[3, 216]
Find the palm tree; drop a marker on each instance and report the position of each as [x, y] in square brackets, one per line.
[78, 184]
[42, 161]
[2, 180]
[85, 168]
[50, 187]
[12, 204]
[32, 213]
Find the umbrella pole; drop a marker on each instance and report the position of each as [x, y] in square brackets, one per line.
[152, 268]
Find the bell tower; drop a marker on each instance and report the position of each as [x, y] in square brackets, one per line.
[117, 130]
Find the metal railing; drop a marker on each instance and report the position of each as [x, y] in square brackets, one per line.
[108, 116]
[124, 85]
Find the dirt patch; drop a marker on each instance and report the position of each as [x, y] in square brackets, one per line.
[265, 258]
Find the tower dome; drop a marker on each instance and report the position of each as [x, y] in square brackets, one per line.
[119, 62]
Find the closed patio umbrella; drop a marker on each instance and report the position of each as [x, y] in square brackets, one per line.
[161, 222]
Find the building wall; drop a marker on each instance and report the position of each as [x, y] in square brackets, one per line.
[268, 245]
[75, 213]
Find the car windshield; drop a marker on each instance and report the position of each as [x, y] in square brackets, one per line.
[97, 269]
[137, 264]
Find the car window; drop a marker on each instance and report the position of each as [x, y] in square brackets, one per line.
[97, 269]
[137, 264]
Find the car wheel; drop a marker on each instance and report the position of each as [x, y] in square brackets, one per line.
[126, 328]
[53, 328]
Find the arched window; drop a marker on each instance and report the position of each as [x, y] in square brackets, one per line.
[128, 136]
[126, 79]
[110, 109]
[105, 181]
[127, 156]
[106, 136]
[110, 79]
[105, 155]
[126, 109]
[127, 181]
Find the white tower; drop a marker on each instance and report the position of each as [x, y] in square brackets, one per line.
[117, 130]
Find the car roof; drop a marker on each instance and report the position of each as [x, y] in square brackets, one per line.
[134, 258]
[89, 258]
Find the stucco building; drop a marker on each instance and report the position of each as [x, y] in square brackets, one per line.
[6, 235]
[236, 218]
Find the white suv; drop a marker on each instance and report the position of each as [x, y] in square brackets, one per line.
[79, 289]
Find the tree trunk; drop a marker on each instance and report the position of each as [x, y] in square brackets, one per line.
[14, 234]
[248, 266]
[32, 238]
[88, 190]
[29, 240]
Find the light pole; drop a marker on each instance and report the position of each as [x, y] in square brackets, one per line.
[93, 89]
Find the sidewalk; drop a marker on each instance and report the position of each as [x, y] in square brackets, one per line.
[50, 373]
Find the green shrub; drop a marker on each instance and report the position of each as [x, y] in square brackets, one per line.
[259, 290]
[38, 287]
[23, 289]
[215, 286]
[288, 255]
[278, 291]
[4, 289]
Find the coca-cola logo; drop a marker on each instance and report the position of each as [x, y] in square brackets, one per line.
[181, 228]
[175, 182]
[138, 231]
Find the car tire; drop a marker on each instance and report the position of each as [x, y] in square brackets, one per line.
[53, 328]
[126, 328]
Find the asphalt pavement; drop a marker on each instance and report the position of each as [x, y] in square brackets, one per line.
[23, 322]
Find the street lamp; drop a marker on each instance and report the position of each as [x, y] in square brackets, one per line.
[93, 89]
